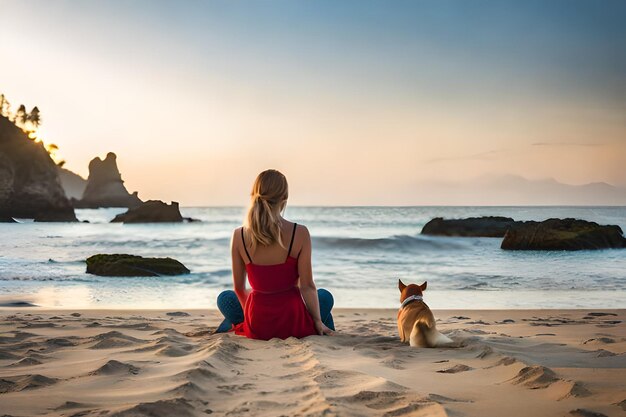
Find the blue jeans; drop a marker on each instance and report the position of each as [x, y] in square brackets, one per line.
[229, 305]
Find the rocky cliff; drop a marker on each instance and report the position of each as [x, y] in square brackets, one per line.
[29, 180]
[105, 187]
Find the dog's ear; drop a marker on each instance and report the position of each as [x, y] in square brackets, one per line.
[401, 285]
[423, 286]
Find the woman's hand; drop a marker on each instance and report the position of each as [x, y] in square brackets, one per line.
[322, 329]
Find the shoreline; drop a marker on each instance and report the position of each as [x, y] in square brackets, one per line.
[68, 297]
[145, 362]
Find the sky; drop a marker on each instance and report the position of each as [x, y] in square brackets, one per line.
[358, 102]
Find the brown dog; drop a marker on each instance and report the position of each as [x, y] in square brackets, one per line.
[416, 322]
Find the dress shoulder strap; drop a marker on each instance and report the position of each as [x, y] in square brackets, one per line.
[293, 234]
[243, 241]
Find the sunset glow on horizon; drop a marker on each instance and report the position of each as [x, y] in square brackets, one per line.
[357, 102]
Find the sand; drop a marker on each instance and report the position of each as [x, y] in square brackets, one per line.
[158, 363]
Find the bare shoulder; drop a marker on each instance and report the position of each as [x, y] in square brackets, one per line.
[302, 233]
[237, 234]
[303, 230]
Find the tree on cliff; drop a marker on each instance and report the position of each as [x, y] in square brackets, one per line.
[5, 108]
[21, 116]
[3, 102]
[29, 122]
[34, 117]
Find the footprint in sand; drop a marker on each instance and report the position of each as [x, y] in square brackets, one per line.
[178, 407]
[237, 387]
[394, 363]
[27, 361]
[114, 339]
[24, 382]
[114, 367]
[60, 342]
[175, 349]
[71, 405]
[18, 336]
[443, 399]
[387, 403]
[535, 377]
[574, 389]
[506, 361]
[455, 369]
[134, 326]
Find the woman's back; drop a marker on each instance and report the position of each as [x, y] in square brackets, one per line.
[273, 274]
[275, 253]
[275, 307]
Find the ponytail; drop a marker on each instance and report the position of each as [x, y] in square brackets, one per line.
[268, 199]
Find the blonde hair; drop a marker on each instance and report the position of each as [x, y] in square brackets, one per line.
[267, 200]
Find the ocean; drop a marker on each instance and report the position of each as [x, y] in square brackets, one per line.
[359, 253]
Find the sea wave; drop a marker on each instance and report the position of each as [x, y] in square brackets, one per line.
[185, 243]
[405, 243]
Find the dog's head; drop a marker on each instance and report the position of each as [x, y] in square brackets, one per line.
[411, 289]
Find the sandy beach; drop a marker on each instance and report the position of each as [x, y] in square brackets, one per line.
[166, 363]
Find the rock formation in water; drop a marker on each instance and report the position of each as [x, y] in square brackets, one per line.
[29, 180]
[152, 211]
[73, 184]
[563, 234]
[133, 266]
[105, 187]
[491, 226]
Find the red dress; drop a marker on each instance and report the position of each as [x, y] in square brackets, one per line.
[275, 307]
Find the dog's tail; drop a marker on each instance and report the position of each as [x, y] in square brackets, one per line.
[425, 334]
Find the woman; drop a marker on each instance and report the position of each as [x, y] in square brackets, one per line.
[284, 301]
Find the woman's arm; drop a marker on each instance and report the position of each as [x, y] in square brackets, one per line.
[307, 285]
[239, 268]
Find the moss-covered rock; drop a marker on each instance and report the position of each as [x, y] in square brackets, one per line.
[563, 234]
[119, 265]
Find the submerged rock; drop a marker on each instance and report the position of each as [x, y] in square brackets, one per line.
[105, 187]
[491, 226]
[121, 265]
[152, 211]
[563, 234]
[29, 180]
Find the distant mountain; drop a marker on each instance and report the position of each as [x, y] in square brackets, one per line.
[73, 184]
[514, 190]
